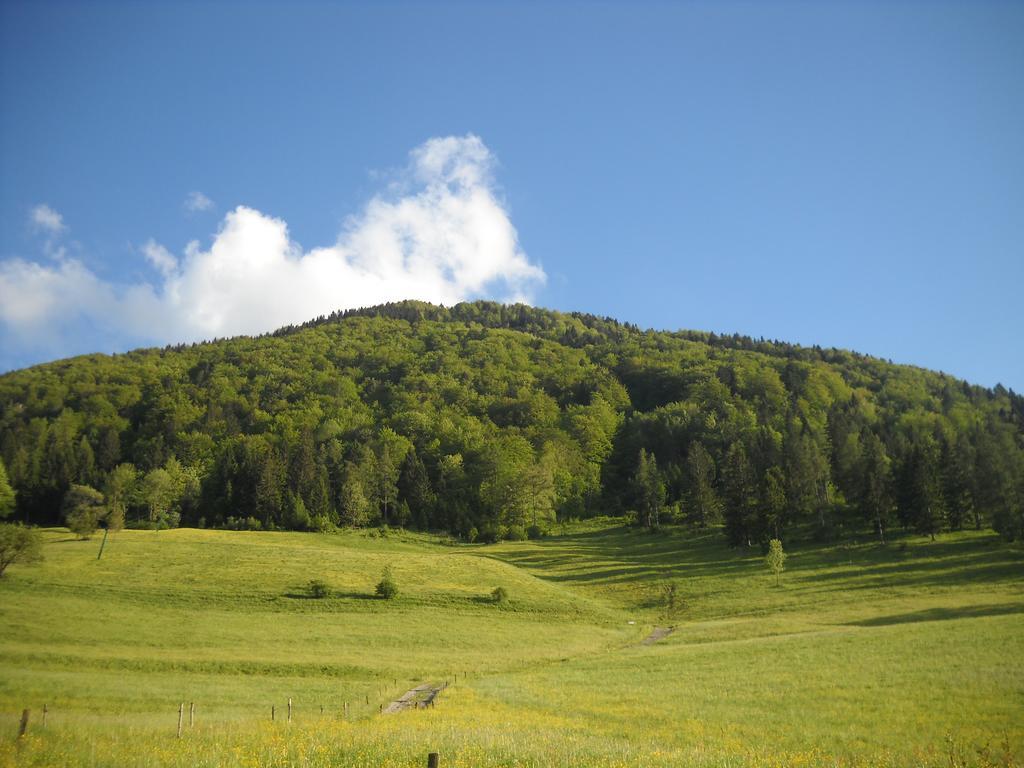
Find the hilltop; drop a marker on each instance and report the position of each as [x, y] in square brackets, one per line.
[492, 421]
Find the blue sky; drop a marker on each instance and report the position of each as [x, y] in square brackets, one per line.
[842, 174]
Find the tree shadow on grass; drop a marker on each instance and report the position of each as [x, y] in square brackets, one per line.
[941, 614]
[981, 567]
[298, 593]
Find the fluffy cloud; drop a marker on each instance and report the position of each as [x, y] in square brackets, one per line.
[162, 259]
[197, 201]
[43, 217]
[444, 237]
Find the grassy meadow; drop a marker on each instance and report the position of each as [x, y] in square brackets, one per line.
[906, 654]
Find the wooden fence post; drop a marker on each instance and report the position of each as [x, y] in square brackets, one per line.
[289, 709]
[45, 710]
[273, 712]
[24, 723]
[181, 714]
[433, 760]
[191, 713]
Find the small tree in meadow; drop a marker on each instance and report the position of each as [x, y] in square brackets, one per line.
[499, 595]
[19, 544]
[84, 507]
[386, 587]
[671, 594]
[775, 559]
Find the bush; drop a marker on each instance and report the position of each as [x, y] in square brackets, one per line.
[318, 589]
[386, 587]
[499, 595]
[534, 532]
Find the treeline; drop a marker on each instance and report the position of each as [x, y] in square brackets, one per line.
[491, 421]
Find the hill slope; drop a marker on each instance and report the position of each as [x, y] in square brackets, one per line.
[863, 655]
[485, 419]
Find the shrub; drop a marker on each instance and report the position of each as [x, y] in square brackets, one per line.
[499, 595]
[387, 589]
[515, 533]
[534, 532]
[318, 589]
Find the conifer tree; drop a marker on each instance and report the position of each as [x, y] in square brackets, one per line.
[740, 495]
[703, 504]
[875, 492]
[649, 489]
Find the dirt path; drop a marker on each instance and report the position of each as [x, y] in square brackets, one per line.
[659, 633]
[420, 696]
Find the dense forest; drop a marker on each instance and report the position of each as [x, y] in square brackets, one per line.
[491, 421]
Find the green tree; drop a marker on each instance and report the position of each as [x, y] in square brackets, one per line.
[648, 489]
[387, 588]
[958, 459]
[7, 497]
[19, 544]
[773, 500]
[84, 507]
[118, 490]
[355, 508]
[297, 516]
[703, 504]
[997, 464]
[270, 486]
[414, 488]
[923, 496]
[739, 490]
[159, 492]
[388, 454]
[876, 501]
[807, 473]
[775, 559]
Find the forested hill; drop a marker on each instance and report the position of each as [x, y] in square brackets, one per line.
[491, 420]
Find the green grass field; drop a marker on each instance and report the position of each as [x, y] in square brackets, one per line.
[908, 654]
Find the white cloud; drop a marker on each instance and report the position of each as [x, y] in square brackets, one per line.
[33, 296]
[160, 258]
[445, 238]
[197, 201]
[45, 218]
